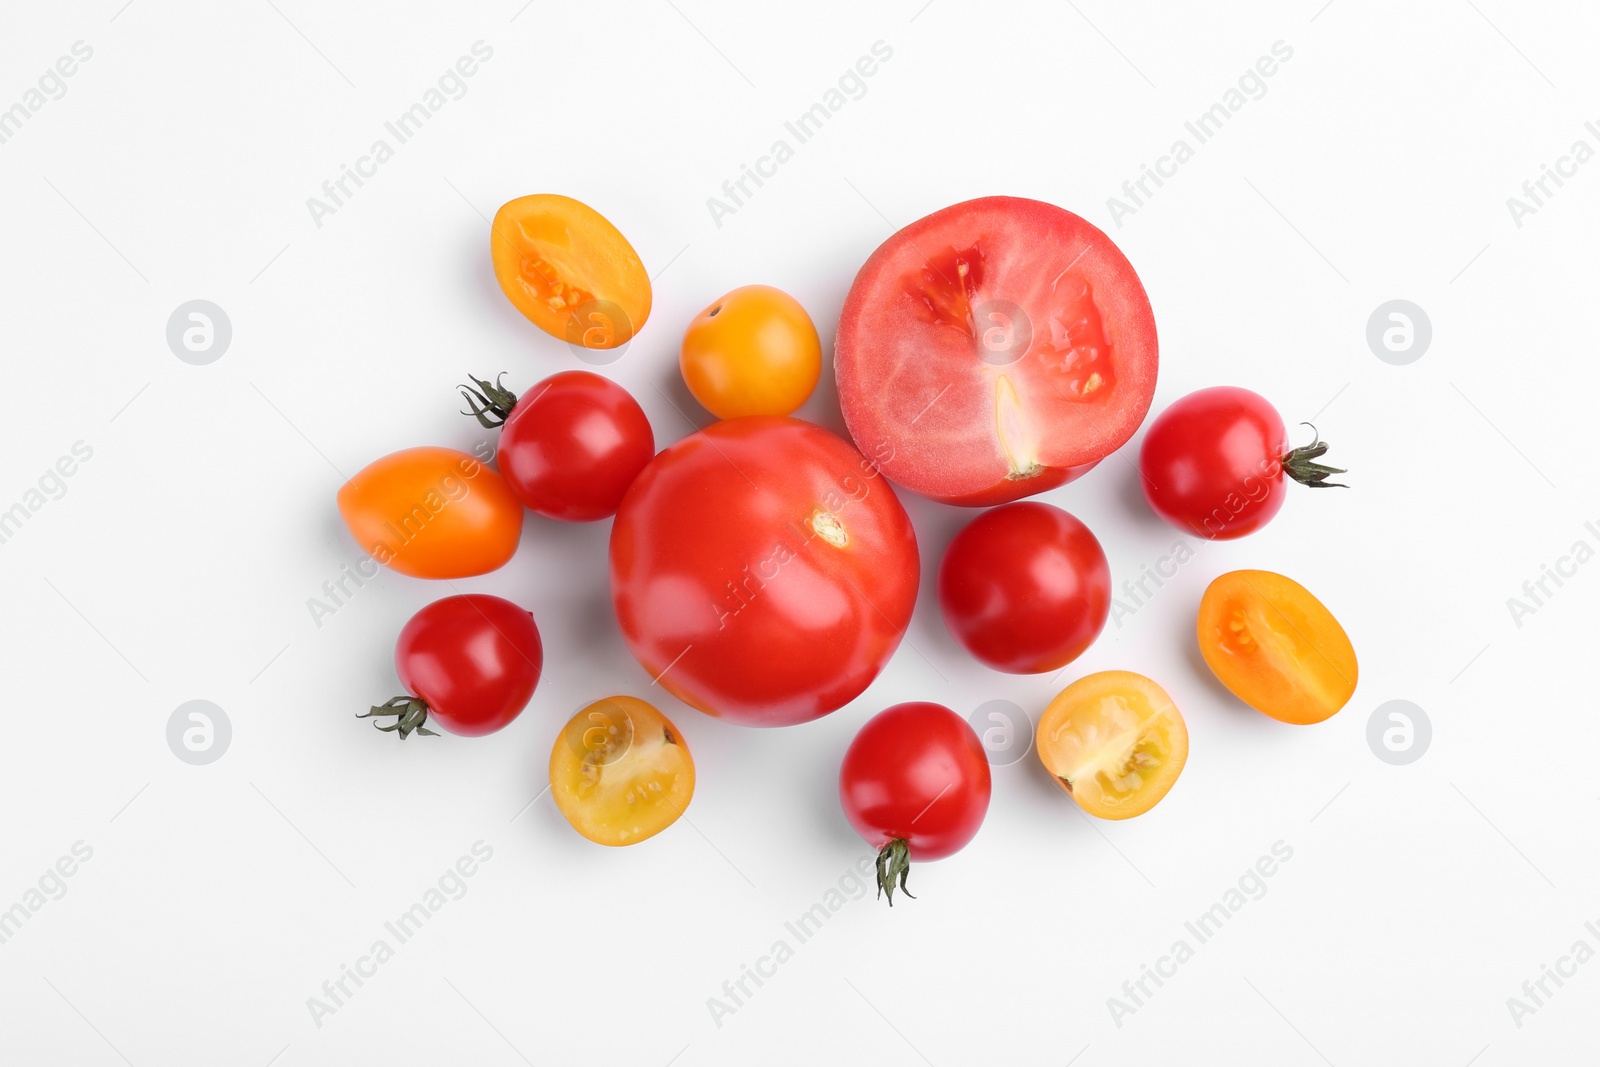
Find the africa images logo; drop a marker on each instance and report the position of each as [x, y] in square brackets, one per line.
[1251, 85]
[451, 85]
[851, 85]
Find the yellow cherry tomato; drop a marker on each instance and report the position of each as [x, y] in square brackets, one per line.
[563, 265]
[1276, 647]
[1114, 742]
[755, 351]
[620, 772]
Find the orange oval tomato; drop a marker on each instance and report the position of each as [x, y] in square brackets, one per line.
[754, 351]
[1276, 647]
[564, 266]
[620, 772]
[1114, 742]
[432, 513]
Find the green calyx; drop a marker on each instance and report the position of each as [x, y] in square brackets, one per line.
[410, 714]
[894, 863]
[1301, 464]
[491, 402]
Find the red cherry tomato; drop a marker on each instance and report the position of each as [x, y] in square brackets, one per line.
[762, 571]
[1000, 347]
[1025, 588]
[470, 664]
[915, 785]
[571, 446]
[1214, 463]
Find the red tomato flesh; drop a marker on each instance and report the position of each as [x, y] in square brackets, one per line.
[993, 350]
[762, 571]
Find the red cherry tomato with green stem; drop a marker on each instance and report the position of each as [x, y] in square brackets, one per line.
[571, 446]
[1214, 463]
[915, 785]
[1025, 588]
[469, 664]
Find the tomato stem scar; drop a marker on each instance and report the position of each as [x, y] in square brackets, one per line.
[828, 527]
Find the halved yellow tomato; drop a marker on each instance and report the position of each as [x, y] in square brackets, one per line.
[620, 772]
[1114, 742]
[572, 273]
[1276, 647]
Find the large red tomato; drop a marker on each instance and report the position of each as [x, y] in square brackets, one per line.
[762, 571]
[995, 349]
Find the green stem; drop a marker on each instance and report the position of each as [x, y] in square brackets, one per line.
[1300, 464]
[491, 402]
[411, 712]
[894, 863]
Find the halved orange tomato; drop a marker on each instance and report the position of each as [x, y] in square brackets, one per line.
[620, 771]
[1114, 742]
[1276, 647]
[563, 265]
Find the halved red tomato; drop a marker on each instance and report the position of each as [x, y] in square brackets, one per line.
[993, 350]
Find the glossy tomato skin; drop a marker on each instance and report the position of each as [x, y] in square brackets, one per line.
[1211, 464]
[572, 446]
[432, 513]
[916, 773]
[999, 347]
[474, 659]
[763, 571]
[1025, 588]
[753, 351]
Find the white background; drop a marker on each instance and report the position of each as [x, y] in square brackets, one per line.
[179, 563]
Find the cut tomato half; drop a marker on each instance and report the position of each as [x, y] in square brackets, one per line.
[993, 350]
[1114, 742]
[620, 771]
[569, 270]
[1276, 647]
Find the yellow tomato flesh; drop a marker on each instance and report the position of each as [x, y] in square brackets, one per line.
[1114, 742]
[569, 270]
[620, 772]
[1276, 647]
[754, 351]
